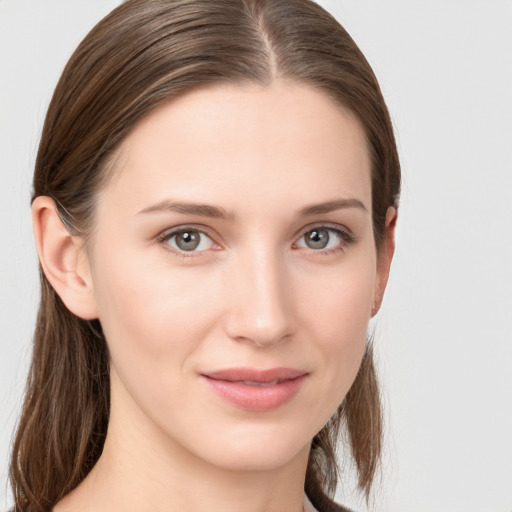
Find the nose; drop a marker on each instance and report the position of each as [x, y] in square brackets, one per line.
[261, 301]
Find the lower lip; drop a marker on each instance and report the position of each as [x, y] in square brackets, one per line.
[256, 398]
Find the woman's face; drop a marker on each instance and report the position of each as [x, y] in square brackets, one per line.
[234, 272]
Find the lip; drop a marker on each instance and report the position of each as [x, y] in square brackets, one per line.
[256, 390]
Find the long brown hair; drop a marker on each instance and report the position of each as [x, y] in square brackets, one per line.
[141, 55]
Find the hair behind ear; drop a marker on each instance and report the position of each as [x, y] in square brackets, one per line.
[58, 442]
[363, 416]
[360, 413]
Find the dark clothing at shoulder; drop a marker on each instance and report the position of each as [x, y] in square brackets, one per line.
[334, 507]
[323, 503]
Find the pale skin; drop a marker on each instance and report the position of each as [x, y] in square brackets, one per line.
[273, 164]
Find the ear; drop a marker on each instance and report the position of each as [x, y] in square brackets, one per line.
[384, 259]
[63, 259]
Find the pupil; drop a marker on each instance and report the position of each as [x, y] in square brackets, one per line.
[187, 241]
[317, 238]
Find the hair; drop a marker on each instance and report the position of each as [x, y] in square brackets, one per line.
[140, 56]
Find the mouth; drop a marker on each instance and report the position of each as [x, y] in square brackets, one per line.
[256, 390]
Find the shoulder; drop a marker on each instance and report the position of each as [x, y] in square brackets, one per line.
[322, 503]
[334, 507]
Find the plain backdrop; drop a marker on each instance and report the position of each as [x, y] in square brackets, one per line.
[444, 335]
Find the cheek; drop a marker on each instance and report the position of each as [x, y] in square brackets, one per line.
[337, 316]
[138, 296]
[338, 302]
[153, 318]
[155, 321]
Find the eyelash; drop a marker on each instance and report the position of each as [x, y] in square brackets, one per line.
[346, 239]
[164, 238]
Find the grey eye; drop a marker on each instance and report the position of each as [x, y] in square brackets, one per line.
[323, 238]
[190, 240]
[187, 241]
[317, 238]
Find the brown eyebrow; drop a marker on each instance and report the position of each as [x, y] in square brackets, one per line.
[204, 210]
[330, 206]
[216, 212]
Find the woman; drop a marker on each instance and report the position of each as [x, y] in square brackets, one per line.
[215, 198]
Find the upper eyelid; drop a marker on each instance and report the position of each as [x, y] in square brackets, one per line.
[326, 225]
[167, 233]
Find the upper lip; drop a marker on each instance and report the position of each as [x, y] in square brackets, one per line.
[255, 375]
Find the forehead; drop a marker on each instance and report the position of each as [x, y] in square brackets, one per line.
[284, 142]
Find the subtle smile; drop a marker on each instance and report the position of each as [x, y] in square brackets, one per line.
[256, 390]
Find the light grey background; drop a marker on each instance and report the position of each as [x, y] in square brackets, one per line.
[444, 336]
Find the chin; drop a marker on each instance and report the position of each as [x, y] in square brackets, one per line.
[257, 459]
[255, 448]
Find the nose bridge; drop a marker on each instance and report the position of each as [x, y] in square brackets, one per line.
[262, 305]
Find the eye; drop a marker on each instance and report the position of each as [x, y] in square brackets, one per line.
[324, 238]
[188, 240]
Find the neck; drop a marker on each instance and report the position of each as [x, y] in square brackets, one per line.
[138, 472]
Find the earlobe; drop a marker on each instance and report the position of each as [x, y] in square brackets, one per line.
[63, 259]
[385, 257]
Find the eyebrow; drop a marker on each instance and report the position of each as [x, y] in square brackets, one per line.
[216, 212]
[203, 210]
[331, 206]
